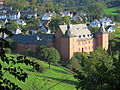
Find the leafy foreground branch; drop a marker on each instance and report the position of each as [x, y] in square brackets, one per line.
[10, 67]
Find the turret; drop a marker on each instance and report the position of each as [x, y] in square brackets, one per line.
[102, 37]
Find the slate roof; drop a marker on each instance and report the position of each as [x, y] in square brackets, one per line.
[33, 28]
[41, 39]
[79, 30]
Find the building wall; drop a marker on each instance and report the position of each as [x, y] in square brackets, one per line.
[58, 39]
[65, 48]
[70, 46]
[105, 41]
[102, 40]
[22, 47]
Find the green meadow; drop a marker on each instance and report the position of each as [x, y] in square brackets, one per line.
[111, 11]
[56, 78]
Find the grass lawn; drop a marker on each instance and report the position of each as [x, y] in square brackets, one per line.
[111, 11]
[59, 77]
[117, 34]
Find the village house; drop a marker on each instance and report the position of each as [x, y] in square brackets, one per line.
[66, 13]
[74, 18]
[110, 29]
[45, 28]
[68, 39]
[21, 22]
[13, 15]
[9, 14]
[1, 2]
[105, 20]
[32, 30]
[95, 23]
[29, 14]
[46, 17]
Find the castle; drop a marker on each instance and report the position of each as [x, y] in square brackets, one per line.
[68, 39]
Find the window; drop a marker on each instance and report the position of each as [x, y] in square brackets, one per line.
[86, 42]
[83, 35]
[82, 43]
[27, 45]
[77, 28]
[79, 36]
[79, 43]
[73, 46]
[79, 49]
[89, 42]
[85, 48]
[88, 35]
[89, 47]
[73, 39]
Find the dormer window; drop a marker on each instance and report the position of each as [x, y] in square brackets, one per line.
[83, 35]
[79, 36]
[88, 35]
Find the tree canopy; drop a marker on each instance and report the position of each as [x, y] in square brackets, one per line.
[97, 71]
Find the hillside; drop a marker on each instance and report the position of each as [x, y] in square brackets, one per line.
[112, 11]
[56, 78]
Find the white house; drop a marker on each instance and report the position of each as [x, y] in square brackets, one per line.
[46, 17]
[110, 29]
[44, 28]
[2, 15]
[68, 13]
[21, 22]
[17, 31]
[32, 29]
[107, 21]
[13, 15]
[74, 18]
[95, 23]
[31, 14]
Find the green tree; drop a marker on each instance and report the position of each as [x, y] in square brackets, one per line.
[97, 72]
[51, 55]
[23, 28]
[3, 25]
[50, 6]
[96, 10]
[33, 4]
[40, 51]
[94, 29]
[13, 25]
[55, 22]
[66, 19]
[48, 54]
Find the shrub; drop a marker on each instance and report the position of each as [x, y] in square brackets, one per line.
[42, 68]
[7, 50]
[74, 64]
[30, 52]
